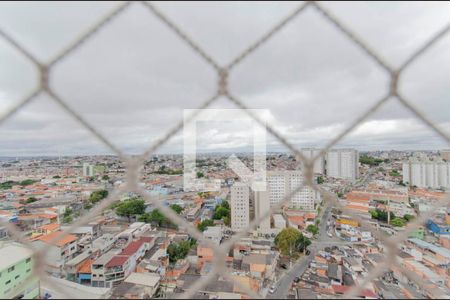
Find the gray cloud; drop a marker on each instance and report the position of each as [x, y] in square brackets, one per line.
[135, 77]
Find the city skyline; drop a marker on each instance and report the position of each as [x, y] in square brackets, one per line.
[132, 98]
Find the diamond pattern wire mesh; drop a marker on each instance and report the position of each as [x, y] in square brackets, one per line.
[133, 164]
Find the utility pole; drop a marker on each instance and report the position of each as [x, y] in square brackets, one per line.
[389, 211]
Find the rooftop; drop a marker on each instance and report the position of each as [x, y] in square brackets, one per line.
[116, 261]
[146, 279]
[12, 254]
[436, 249]
[64, 240]
[132, 248]
[51, 227]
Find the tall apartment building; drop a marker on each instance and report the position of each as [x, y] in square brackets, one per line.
[240, 206]
[262, 206]
[342, 163]
[424, 173]
[88, 170]
[282, 183]
[16, 265]
[319, 164]
[247, 205]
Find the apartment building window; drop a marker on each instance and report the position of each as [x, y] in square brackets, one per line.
[28, 270]
[28, 260]
[8, 282]
[17, 276]
[11, 269]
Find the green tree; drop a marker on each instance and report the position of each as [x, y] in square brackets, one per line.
[205, 223]
[313, 229]
[97, 196]
[31, 200]
[225, 204]
[131, 207]
[398, 222]
[7, 185]
[302, 243]
[67, 219]
[227, 221]
[287, 240]
[408, 217]
[220, 213]
[105, 177]
[155, 217]
[27, 182]
[320, 180]
[68, 212]
[56, 177]
[179, 250]
[200, 174]
[177, 208]
[394, 173]
[381, 215]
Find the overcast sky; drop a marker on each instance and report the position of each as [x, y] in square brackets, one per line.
[134, 78]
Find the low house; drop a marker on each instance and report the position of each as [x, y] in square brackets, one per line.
[259, 265]
[58, 250]
[111, 269]
[137, 286]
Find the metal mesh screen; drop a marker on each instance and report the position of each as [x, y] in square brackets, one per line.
[134, 163]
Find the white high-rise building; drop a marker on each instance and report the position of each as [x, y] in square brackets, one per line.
[319, 164]
[88, 170]
[426, 173]
[282, 183]
[342, 163]
[240, 206]
[262, 206]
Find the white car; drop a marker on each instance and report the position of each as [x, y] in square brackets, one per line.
[272, 289]
[329, 234]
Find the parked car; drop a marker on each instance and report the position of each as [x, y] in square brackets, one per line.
[272, 289]
[297, 279]
[284, 266]
[308, 252]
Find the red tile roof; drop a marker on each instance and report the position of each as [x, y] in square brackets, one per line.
[51, 226]
[132, 248]
[341, 289]
[61, 242]
[85, 267]
[116, 261]
[146, 239]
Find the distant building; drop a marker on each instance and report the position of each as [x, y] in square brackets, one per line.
[439, 229]
[319, 164]
[424, 173]
[16, 265]
[88, 170]
[262, 206]
[213, 233]
[342, 163]
[279, 222]
[283, 183]
[240, 206]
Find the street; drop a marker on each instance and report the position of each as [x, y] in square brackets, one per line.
[284, 283]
